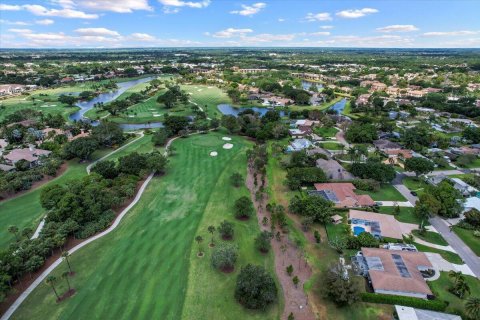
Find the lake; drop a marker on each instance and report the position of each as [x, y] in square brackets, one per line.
[228, 109]
[339, 106]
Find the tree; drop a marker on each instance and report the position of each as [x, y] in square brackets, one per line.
[51, 280]
[460, 288]
[211, 229]
[340, 288]
[419, 165]
[226, 230]
[236, 179]
[291, 316]
[132, 163]
[262, 241]
[199, 240]
[230, 123]
[373, 170]
[81, 148]
[243, 208]
[447, 198]
[296, 177]
[68, 100]
[361, 133]
[255, 288]
[14, 230]
[65, 256]
[316, 207]
[224, 257]
[160, 137]
[156, 162]
[108, 134]
[290, 270]
[106, 169]
[175, 124]
[472, 308]
[295, 281]
[65, 276]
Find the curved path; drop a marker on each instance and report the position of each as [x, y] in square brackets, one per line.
[115, 224]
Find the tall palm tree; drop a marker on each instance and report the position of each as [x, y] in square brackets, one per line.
[199, 239]
[456, 276]
[65, 276]
[461, 287]
[65, 256]
[472, 308]
[51, 282]
[211, 229]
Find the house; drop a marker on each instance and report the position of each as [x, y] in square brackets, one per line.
[363, 99]
[3, 145]
[31, 154]
[6, 168]
[9, 89]
[400, 273]
[464, 188]
[333, 170]
[409, 313]
[471, 203]
[383, 144]
[435, 180]
[399, 153]
[378, 225]
[342, 195]
[299, 144]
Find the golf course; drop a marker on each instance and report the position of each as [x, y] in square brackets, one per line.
[147, 268]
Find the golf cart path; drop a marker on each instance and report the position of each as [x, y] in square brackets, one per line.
[57, 262]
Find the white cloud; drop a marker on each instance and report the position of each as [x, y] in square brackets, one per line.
[267, 37]
[8, 7]
[250, 10]
[97, 32]
[62, 13]
[450, 33]
[142, 37]
[321, 33]
[119, 6]
[45, 22]
[231, 32]
[398, 28]
[170, 10]
[321, 16]
[20, 30]
[326, 27]
[370, 42]
[356, 13]
[190, 4]
[14, 23]
[281, 20]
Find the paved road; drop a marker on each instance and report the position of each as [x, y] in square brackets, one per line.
[398, 184]
[467, 255]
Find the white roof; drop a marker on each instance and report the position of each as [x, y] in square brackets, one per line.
[300, 122]
[409, 313]
[472, 203]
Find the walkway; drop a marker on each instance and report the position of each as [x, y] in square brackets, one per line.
[440, 264]
[394, 203]
[39, 228]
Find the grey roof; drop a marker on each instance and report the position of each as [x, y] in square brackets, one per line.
[5, 167]
[334, 170]
[409, 313]
[326, 194]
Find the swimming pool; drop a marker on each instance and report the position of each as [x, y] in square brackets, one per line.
[357, 230]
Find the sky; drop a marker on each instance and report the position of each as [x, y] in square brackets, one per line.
[232, 23]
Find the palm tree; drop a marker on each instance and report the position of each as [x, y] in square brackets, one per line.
[65, 276]
[65, 256]
[461, 287]
[51, 282]
[199, 239]
[211, 229]
[456, 276]
[13, 230]
[472, 308]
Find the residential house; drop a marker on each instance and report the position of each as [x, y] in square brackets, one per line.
[31, 154]
[409, 313]
[383, 144]
[333, 170]
[379, 225]
[363, 99]
[399, 273]
[464, 188]
[342, 195]
[298, 145]
[9, 89]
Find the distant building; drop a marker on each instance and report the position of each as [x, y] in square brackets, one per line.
[333, 170]
[31, 155]
[383, 144]
[299, 144]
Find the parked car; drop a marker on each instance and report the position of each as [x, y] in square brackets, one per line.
[413, 193]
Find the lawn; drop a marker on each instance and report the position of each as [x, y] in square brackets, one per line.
[447, 255]
[469, 239]
[474, 164]
[332, 145]
[387, 192]
[141, 270]
[406, 214]
[440, 289]
[326, 132]
[413, 184]
[25, 210]
[432, 237]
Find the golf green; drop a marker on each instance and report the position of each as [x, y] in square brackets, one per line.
[141, 270]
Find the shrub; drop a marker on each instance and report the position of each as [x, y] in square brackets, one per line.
[366, 184]
[224, 257]
[226, 230]
[243, 208]
[255, 287]
[436, 305]
[262, 241]
[317, 236]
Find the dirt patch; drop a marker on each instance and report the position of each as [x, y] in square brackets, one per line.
[243, 218]
[211, 245]
[200, 254]
[286, 253]
[227, 269]
[66, 295]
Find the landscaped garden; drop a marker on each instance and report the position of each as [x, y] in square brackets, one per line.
[469, 239]
[148, 258]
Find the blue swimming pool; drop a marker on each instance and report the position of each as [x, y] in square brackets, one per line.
[357, 230]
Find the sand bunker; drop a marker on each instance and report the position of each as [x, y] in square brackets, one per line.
[227, 146]
[213, 154]
[157, 115]
[131, 116]
[227, 138]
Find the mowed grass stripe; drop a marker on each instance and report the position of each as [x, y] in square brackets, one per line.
[140, 270]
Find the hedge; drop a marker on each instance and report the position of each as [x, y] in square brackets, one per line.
[435, 305]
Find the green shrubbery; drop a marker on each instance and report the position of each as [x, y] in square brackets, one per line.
[436, 305]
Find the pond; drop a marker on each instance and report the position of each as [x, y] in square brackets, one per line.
[228, 109]
[138, 126]
[307, 84]
[339, 106]
[105, 97]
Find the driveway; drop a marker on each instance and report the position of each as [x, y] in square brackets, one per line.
[467, 255]
[441, 264]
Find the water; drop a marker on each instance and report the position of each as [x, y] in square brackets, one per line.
[138, 126]
[105, 97]
[228, 109]
[357, 230]
[339, 106]
[307, 84]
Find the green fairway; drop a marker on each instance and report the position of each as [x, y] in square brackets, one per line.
[25, 210]
[141, 270]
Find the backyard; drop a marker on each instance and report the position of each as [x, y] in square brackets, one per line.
[148, 257]
[387, 192]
